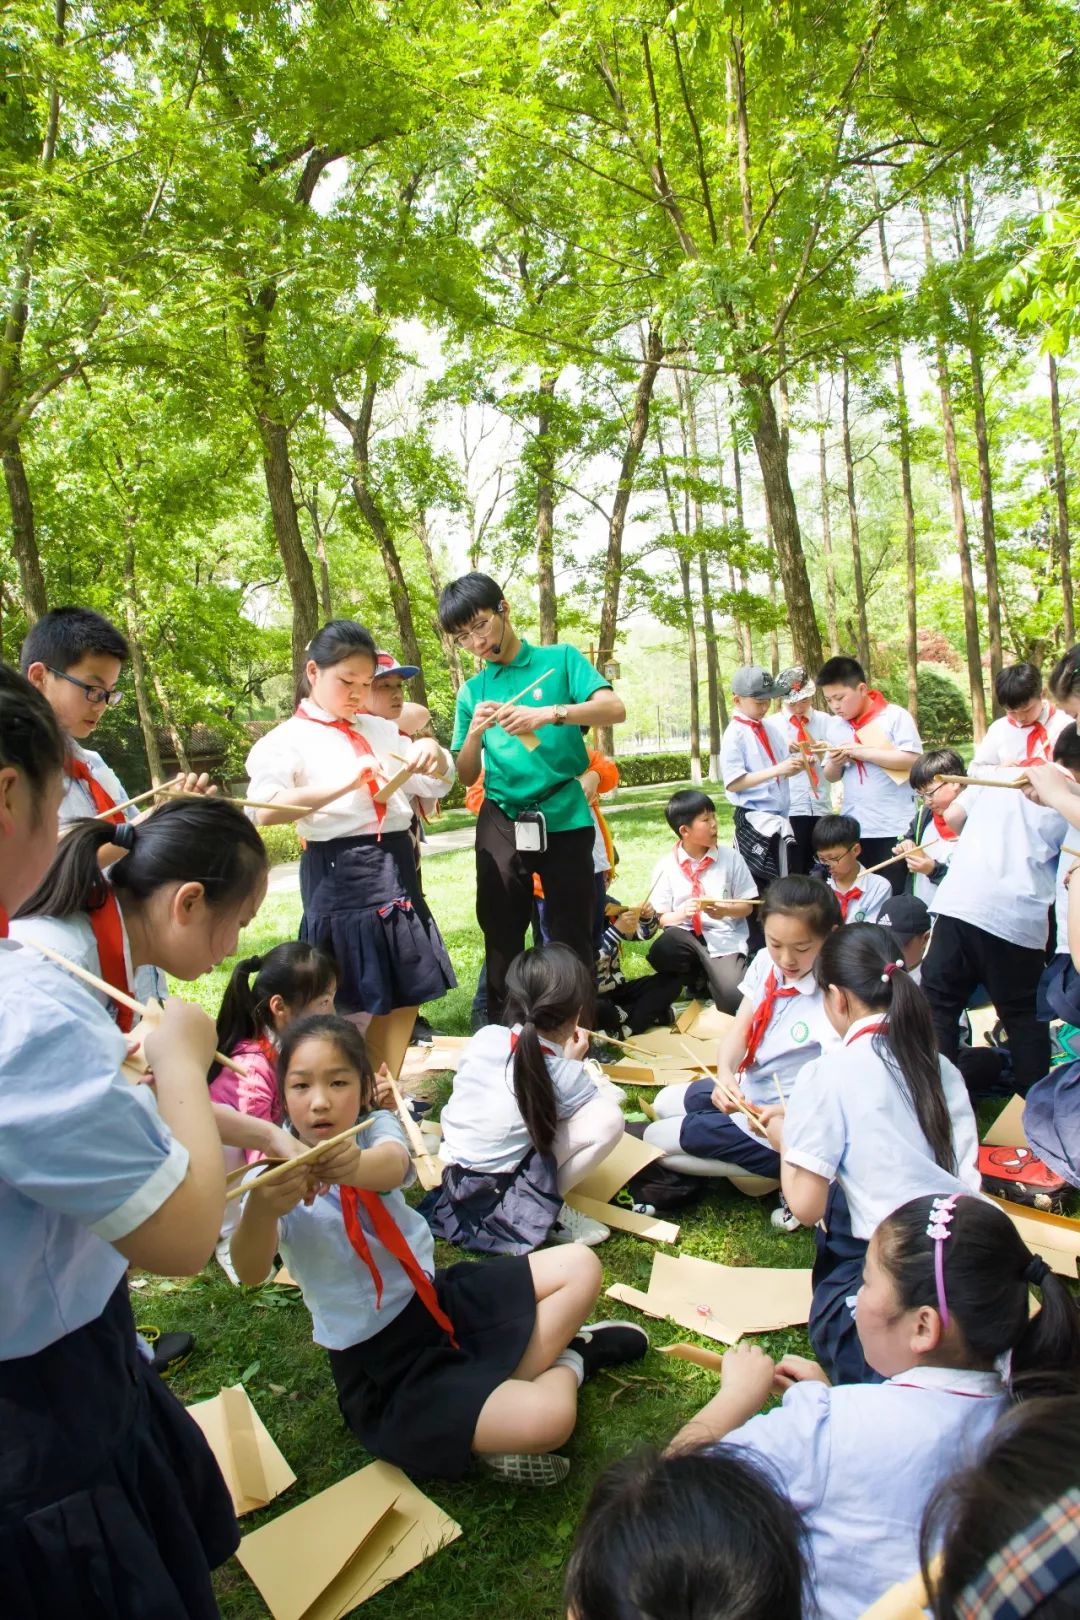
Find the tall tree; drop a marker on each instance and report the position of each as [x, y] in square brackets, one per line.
[853, 520]
[1061, 496]
[826, 524]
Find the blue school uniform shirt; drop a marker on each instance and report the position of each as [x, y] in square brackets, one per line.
[77, 803]
[84, 1156]
[860, 1461]
[741, 754]
[336, 1284]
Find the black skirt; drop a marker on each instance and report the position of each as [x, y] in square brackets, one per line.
[111, 1504]
[363, 904]
[409, 1396]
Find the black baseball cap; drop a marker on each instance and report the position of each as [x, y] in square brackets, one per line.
[906, 915]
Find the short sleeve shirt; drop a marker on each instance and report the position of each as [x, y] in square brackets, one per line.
[798, 1031]
[482, 1125]
[1003, 873]
[883, 808]
[85, 1158]
[741, 754]
[544, 778]
[726, 878]
[74, 938]
[77, 803]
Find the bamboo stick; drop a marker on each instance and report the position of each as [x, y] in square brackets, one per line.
[259, 804]
[779, 1090]
[508, 703]
[733, 1096]
[428, 1169]
[126, 804]
[116, 995]
[916, 849]
[627, 1046]
[983, 781]
[312, 1154]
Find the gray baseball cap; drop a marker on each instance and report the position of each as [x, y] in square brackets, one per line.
[754, 682]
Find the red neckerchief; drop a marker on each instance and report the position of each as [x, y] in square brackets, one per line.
[392, 1239]
[846, 898]
[514, 1038]
[942, 827]
[268, 1050]
[869, 1029]
[109, 937]
[758, 728]
[762, 1015]
[1039, 751]
[79, 771]
[360, 746]
[875, 702]
[802, 731]
[692, 874]
[3, 923]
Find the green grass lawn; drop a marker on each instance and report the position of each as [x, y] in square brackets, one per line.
[507, 1564]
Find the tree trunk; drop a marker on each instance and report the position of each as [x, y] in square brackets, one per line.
[986, 505]
[138, 662]
[692, 663]
[359, 430]
[853, 521]
[712, 665]
[743, 630]
[774, 635]
[545, 513]
[451, 650]
[639, 427]
[826, 528]
[805, 635]
[956, 489]
[182, 756]
[277, 471]
[23, 536]
[1061, 491]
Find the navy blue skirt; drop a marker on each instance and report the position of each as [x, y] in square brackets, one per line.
[363, 904]
[507, 1213]
[709, 1134]
[111, 1504]
[837, 1278]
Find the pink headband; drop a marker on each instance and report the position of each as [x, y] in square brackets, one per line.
[941, 1214]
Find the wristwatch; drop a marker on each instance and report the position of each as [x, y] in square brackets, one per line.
[559, 714]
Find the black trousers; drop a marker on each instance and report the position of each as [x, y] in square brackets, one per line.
[961, 957]
[679, 952]
[504, 895]
[801, 857]
[879, 849]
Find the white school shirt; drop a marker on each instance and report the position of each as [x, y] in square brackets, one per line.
[875, 891]
[1061, 904]
[77, 804]
[1003, 872]
[849, 1120]
[860, 1461]
[728, 878]
[600, 860]
[300, 752]
[481, 1124]
[336, 1284]
[805, 798]
[74, 938]
[1007, 744]
[883, 808]
[799, 1031]
[740, 754]
[85, 1157]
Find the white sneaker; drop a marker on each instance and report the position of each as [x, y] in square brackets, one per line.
[783, 1219]
[573, 1227]
[527, 1468]
[224, 1259]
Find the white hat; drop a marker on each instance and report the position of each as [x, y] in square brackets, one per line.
[805, 689]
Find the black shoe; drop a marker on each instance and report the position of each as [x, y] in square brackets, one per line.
[422, 1034]
[608, 1344]
[170, 1350]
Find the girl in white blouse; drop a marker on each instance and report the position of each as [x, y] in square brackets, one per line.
[358, 877]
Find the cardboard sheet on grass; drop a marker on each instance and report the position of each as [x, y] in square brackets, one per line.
[330, 1554]
[703, 1023]
[722, 1302]
[591, 1196]
[250, 1462]
[443, 1053]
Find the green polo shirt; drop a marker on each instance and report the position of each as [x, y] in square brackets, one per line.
[544, 778]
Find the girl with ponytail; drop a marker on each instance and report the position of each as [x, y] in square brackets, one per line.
[526, 1120]
[944, 1302]
[883, 1120]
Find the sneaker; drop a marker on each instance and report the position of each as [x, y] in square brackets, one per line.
[223, 1257]
[626, 1200]
[538, 1468]
[573, 1227]
[608, 1344]
[422, 1034]
[171, 1350]
[783, 1219]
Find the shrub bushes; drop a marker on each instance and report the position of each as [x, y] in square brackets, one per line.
[639, 770]
[282, 843]
[944, 716]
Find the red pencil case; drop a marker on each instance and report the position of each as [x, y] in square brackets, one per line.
[1015, 1173]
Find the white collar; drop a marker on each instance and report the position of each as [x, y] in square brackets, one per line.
[316, 712]
[696, 860]
[862, 1023]
[806, 986]
[953, 1380]
[861, 873]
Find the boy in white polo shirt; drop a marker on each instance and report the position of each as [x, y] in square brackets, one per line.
[1030, 726]
[755, 763]
[992, 911]
[861, 893]
[701, 894]
[868, 737]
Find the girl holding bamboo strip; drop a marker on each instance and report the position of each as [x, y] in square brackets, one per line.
[359, 883]
[780, 1027]
[432, 1368]
[103, 1470]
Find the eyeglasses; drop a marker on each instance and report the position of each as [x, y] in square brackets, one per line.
[928, 793]
[478, 630]
[834, 860]
[94, 694]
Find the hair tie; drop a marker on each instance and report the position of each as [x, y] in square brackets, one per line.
[1035, 1270]
[941, 1213]
[890, 969]
[123, 835]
